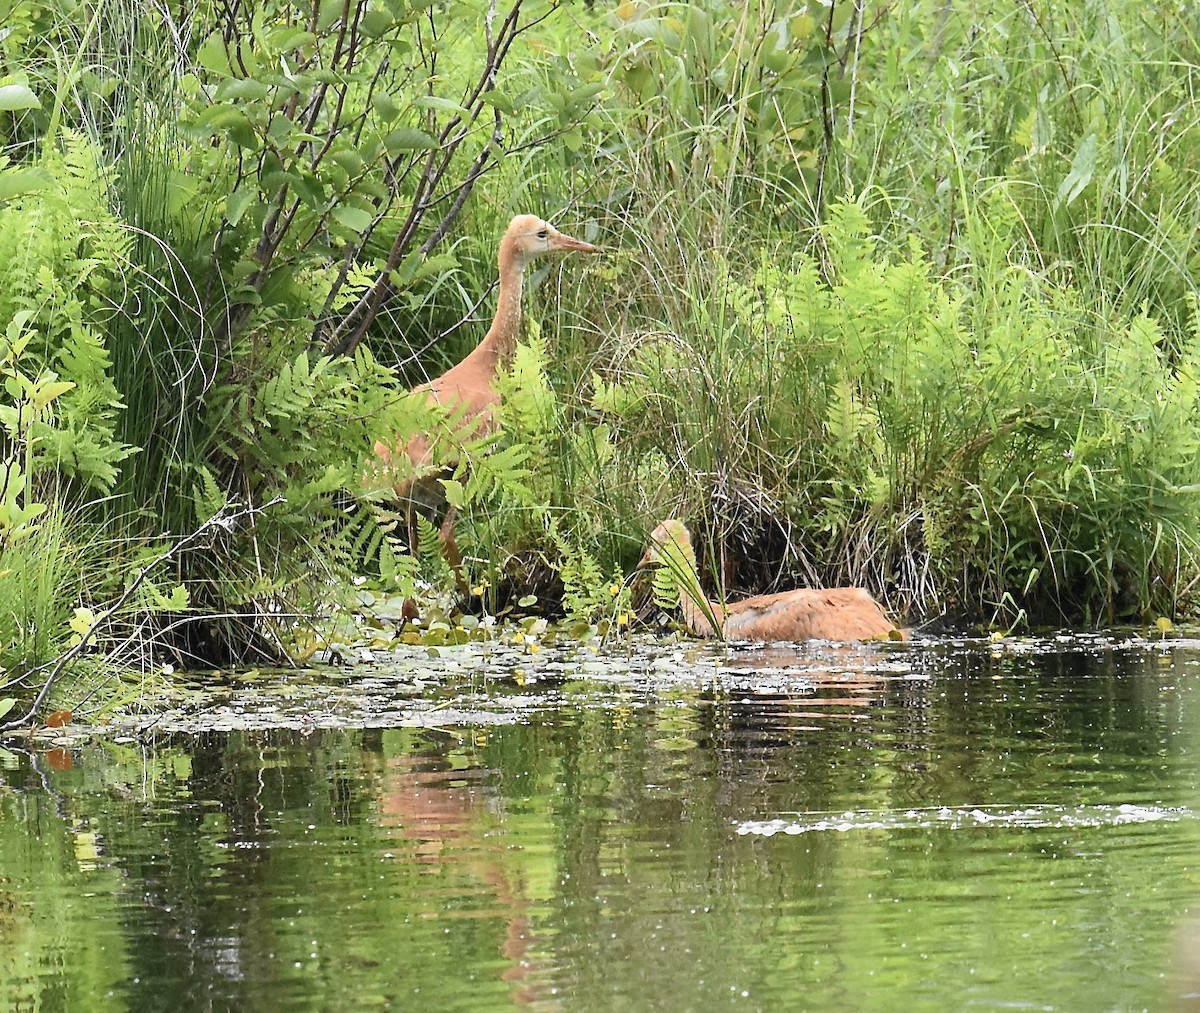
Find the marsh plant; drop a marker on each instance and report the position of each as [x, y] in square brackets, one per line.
[901, 296]
[853, 416]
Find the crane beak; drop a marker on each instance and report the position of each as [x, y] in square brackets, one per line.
[650, 558]
[560, 242]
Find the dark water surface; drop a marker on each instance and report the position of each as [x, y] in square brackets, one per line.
[935, 826]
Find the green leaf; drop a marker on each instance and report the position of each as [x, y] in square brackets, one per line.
[584, 94]
[355, 219]
[213, 56]
[641, 80]
[385, 105]
[775, 55]
[289, 37]
[801, 26]
[7, 704]
[177, 601]
[329, 12]
[277, 178]
[18, 96]
[216, 119]
[454, 493]
[376, 22]
[500, 101]
[349, 160]
[246, 296]
[242, 90]
[20, 520]
[236, 204]
[439, 103]
[45, 392]
[402, 276]
[14, 182]
[309, 189]
[1083, 167]
[83, 621]
[408, 139]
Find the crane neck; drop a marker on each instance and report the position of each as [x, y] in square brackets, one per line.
[500, 342]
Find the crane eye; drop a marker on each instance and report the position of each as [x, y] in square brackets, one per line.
[542, 234]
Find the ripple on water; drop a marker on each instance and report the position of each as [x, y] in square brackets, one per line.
[957, 818]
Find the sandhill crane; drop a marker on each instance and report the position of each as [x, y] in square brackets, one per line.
[839, 613]
[468, 390]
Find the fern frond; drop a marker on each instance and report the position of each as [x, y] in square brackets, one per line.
[503, 474]
[207, 495]
[429, 544]
[666, 586]
[398, 571]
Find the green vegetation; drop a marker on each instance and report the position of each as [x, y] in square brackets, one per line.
[902, 297]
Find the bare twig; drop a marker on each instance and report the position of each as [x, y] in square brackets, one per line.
[349, 331]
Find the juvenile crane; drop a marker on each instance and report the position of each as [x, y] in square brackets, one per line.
[839, 613]
[468, 390]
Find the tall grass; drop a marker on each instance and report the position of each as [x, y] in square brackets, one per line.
[42, 577]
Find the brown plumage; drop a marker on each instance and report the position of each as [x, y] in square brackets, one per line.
[468, 390]
[839, 613]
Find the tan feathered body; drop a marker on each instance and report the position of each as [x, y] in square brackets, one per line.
[839, 613]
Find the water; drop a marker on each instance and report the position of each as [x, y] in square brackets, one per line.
[936, 826]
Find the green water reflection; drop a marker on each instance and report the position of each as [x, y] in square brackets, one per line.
[589, 855]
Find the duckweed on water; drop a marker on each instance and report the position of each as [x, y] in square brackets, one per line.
[439, 673]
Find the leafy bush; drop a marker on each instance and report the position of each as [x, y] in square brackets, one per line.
[62, 255]
[896, 448]
[61, 259]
